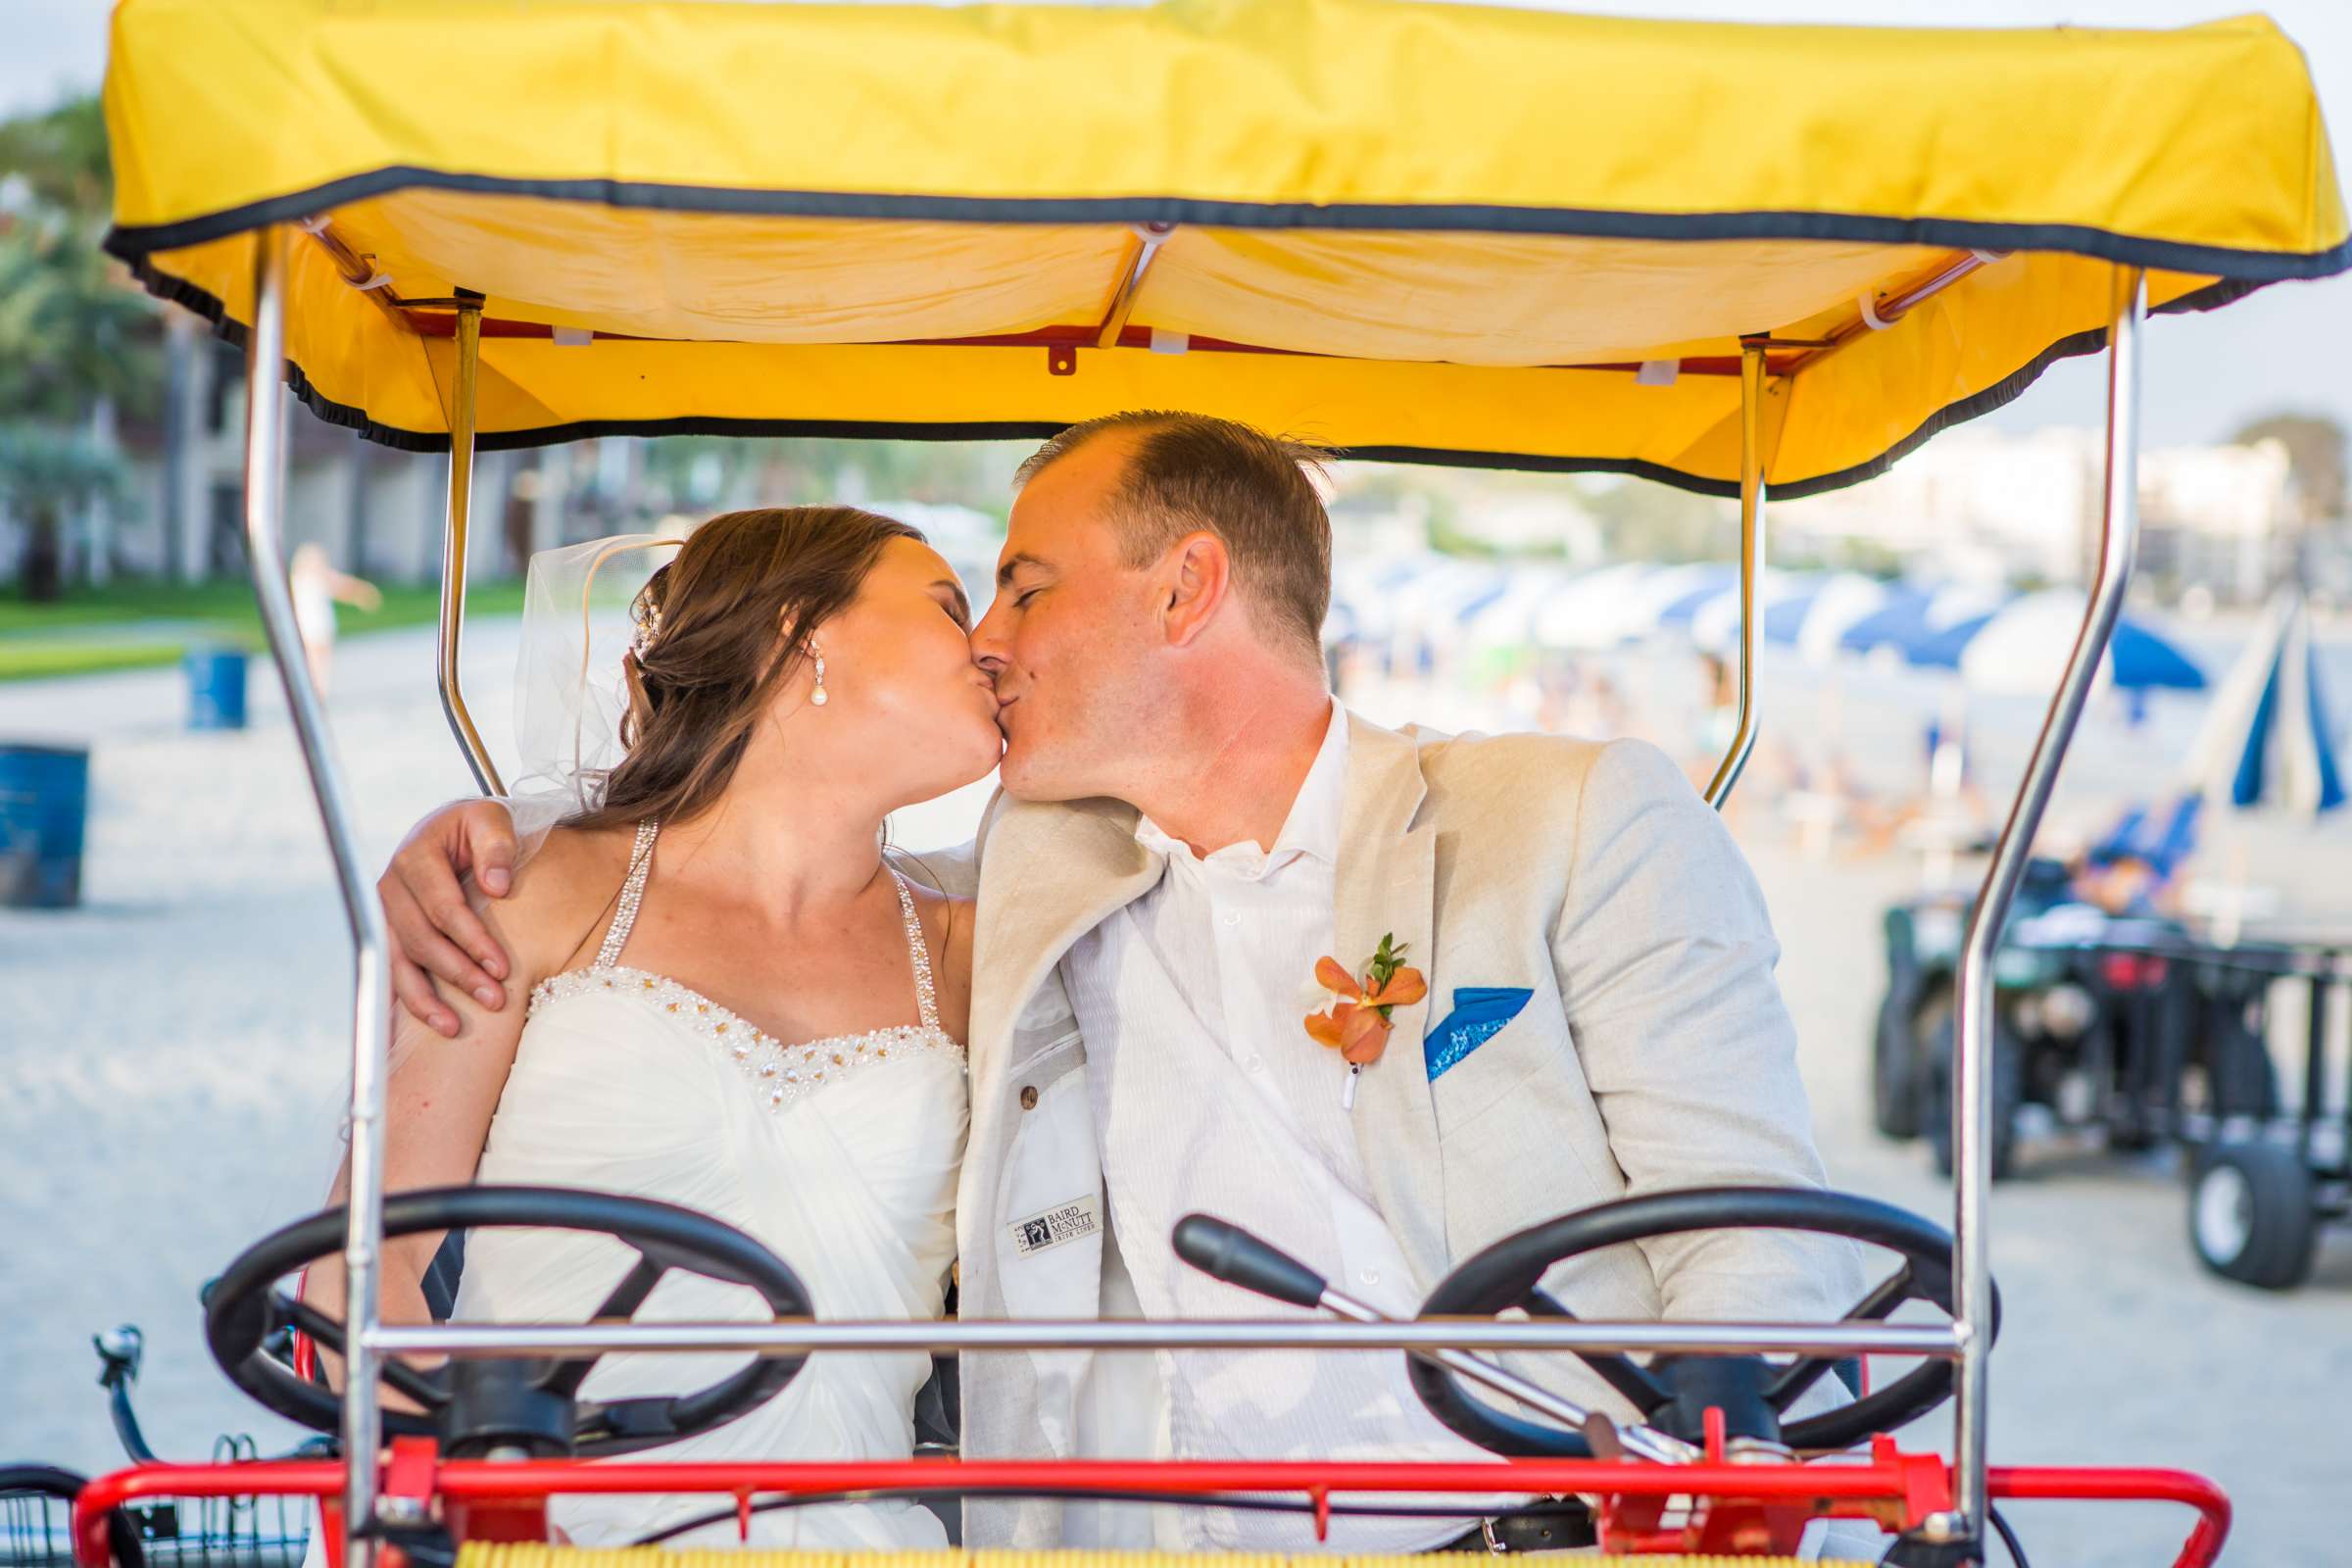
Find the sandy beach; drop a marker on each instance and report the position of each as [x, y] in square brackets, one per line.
[174, 1049]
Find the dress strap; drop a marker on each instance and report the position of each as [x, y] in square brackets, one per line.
[633, 893]
[926, 995]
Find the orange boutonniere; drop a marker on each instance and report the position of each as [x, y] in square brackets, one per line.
[1357, 1022]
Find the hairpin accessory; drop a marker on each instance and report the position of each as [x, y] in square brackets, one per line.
[648, 616]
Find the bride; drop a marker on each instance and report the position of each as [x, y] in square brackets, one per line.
[734, 1004]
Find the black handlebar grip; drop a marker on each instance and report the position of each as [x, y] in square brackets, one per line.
[1228, 1253]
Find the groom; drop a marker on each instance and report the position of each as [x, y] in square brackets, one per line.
[1189, 823]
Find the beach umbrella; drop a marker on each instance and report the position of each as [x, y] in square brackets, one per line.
[1427, 600]
[1899, 620]
[1507, 618]
[1476, 596]
[1715, 623]
[1667, 598]
[2270, 739]
[1705, 585]
[1374, 595]
[1914, 618]
[1588, 612]
[1814, 618]
[1448, 599]
[1402, 570]
[2017, 649]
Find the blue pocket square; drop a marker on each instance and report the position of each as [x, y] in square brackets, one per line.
[1478, 1016]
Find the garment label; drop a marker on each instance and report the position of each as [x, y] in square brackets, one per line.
[1065, 1222]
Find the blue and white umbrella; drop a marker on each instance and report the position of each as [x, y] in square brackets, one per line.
[1358, 597]
[1420, 594]
[1507, 618]
[2269, 739]
[1471, 596]
[1816, 617]
[2019, 648]
[1588, 611]
[1341, 623]
[1614, 606]
[1915, 618]
[1667, 599]
[1692, 595]
[1715, 624]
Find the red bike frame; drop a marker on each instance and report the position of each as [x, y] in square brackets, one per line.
[1744, 1508]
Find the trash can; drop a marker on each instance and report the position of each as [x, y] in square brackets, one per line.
[44, 803]
[216, 687]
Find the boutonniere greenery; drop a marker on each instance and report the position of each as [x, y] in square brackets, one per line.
[1356, 1024]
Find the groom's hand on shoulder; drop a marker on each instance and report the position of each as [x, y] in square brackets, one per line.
[434, 932]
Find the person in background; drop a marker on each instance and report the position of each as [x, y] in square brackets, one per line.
[317, 587]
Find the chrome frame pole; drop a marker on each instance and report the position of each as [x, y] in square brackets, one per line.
[453, 533]
[371, 1021]
[800, 1335]
[1752, 563]
[1972, 1103]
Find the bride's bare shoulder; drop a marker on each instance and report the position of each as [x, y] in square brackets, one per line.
[568, 887]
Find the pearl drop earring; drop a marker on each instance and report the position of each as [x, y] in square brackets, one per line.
[818, 696]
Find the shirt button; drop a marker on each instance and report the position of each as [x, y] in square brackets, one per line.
[1233, 919]
[1256, 1063]
[1370, 1276]
[1028, 1096]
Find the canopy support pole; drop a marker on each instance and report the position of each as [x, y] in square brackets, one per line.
[454, 543]
[264, 549]
[1972, 1114]
[1878, 312]
[1149, 239]
[1752, 562]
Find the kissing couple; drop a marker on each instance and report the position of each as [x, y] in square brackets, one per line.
[1379, 997]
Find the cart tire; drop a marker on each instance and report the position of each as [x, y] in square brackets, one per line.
[2252, 1215]
[2007, 1083]
[1895, 1061]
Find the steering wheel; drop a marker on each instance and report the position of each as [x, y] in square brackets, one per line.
[533, 1402]
[1506, 1275]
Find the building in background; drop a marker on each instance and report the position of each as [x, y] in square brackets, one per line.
[1977, 505]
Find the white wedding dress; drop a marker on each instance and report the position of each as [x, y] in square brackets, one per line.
[838, 1155]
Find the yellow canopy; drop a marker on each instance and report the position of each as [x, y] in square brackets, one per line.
[1426, 231]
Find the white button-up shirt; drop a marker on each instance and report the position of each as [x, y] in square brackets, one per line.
[1209, 1095]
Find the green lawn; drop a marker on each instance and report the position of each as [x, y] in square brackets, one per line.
[132, 626]
[36, 659]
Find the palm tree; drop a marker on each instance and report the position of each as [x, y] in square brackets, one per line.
[45, 474]
[60, 153]
[70, 331]
[76, 336]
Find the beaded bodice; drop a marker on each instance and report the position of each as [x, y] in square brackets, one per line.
[779, 1072]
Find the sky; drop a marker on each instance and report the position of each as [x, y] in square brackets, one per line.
[2287, 347]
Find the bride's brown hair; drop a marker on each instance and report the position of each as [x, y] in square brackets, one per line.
[735, 607]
